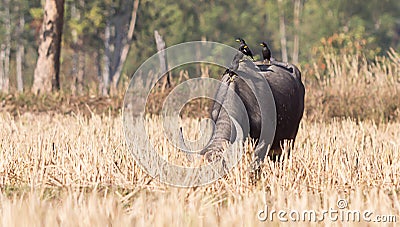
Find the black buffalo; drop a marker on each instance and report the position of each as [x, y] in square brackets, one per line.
[288, 94]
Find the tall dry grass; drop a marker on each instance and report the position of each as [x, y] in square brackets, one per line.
[74, 170]
[71, 166]
[344, 84]
[350, 85]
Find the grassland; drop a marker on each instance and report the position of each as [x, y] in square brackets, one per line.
[74, 169]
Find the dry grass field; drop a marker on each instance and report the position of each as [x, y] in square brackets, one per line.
[72, 170]
[75, 170]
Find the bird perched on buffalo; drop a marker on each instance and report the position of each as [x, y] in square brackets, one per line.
[244, 48]
[266, 52]
[235, 63]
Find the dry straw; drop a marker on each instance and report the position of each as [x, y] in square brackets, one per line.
[74, 170]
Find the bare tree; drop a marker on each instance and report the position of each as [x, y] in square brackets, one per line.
[162, 57]
[19, 56]
[105, 82]
[282, 30]
[114, 60]
[296, 23]
[47, 71]
[79, 55]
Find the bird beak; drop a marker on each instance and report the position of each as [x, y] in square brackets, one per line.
[261, 44]
[237, 40]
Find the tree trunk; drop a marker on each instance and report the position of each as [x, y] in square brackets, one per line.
[78, 58]
[2, 57]
[282, 30]
[97, 61]
[81, 71]
[162, 57]
[20, 62]
[125, 50]
[78, 71]
[296, 23]
[75, 57]
[19, 56]
[47, 71]
[74, 70]
[105, 84]
[6, 50]
[82, 54]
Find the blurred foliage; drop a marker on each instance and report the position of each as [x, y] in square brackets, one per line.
[367, 27]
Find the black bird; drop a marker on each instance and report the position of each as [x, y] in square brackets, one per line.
[266, 52]
[244, 48]
[235, 63]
